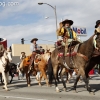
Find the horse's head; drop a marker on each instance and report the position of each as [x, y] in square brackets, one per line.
[97, 33]
[38, 57]
[8, 55]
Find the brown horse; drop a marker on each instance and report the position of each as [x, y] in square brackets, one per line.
[42, 67]
[79, 61]
[24, 66]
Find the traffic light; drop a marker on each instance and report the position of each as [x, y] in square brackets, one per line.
[22, 40]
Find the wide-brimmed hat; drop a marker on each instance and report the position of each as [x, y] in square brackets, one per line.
[34, 39]
[67, 21]
[22, 52]
[97, 23]
[41, 47]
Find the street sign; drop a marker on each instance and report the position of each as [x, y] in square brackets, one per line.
[81, 31]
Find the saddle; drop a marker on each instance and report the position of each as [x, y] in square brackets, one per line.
[72, 49]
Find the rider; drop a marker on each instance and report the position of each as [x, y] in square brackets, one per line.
[97, 30]
[22, 56]
[66, 32]
[34, 49]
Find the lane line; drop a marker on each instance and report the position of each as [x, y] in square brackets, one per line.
[21, 98]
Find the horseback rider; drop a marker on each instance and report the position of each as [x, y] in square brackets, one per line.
[22, 56]
[97, 30]
[1, 49]
[66, 33]
[35, 49]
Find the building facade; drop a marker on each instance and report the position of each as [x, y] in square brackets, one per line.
[18, 48]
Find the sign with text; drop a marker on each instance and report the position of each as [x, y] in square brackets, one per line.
[81, 31]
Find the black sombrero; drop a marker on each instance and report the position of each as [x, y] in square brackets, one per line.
[97, 23]
[22, 52]
[34, 39]
[67, 21]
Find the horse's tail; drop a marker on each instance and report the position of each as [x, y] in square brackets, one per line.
[50, 71]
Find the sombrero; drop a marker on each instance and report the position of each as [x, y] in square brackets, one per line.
[22, 52]
[97, 23]
[67, 21]
[40, 46]
[34, 39]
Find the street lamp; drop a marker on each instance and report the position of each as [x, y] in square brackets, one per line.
[54, 8]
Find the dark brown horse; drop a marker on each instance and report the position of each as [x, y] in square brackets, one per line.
[79, 61]
[92, 63]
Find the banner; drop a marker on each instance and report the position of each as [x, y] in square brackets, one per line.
[80, 31]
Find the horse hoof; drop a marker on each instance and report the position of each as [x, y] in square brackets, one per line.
[40, 85]
[29, 85]
[48, 85]
[57, 91]
[7, 89]
[3, 87]
[75, 91]
[93, 93]
[65, 89]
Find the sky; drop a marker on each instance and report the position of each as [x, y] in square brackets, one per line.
[26, 19]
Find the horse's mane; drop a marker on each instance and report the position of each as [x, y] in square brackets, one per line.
[89, 38]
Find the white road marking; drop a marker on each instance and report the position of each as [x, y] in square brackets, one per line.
[21, 98]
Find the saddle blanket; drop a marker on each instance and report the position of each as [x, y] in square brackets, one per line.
[68, 54]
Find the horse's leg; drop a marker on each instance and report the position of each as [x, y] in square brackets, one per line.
[7, 77]
[55, 77]
[61, 75]
[76, 81]
[58, 73]
[86, 80]
[1, 79]
[5, 82]
[76, 71]
[45, 76]
[27, 78]
[67, 81]
[11, 76]
[39, 79]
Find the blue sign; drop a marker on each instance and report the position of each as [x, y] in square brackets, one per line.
[80, 31]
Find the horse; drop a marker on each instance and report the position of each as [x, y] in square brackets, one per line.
[79, 61]
[4, 68]
[42, 65]
[24, 66]
[92, 63]
[12, 71]
[19, 72]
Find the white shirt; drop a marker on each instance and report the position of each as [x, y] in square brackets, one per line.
[33, 47]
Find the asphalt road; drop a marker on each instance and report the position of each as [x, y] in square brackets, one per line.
[20, 91]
